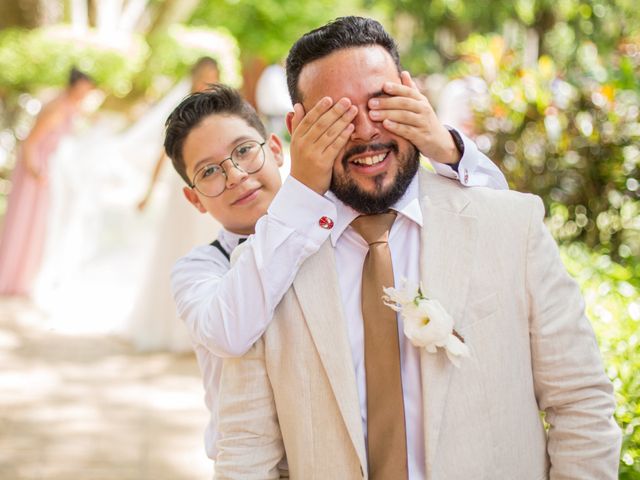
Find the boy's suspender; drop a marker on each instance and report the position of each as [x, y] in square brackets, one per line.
[216, 243]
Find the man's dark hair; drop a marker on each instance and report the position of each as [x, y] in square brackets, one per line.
[76, 76]
[218, 99]
[341, 33]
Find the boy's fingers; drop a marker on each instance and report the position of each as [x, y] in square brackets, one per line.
[341, 140]
[330, 135]
[404, 117]
[328, 119]
[406, 79]
[298, 116]
[396, 128]
[312, 116]
[396, 103]
[395, 89]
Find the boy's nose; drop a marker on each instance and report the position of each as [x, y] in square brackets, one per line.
[235, 175]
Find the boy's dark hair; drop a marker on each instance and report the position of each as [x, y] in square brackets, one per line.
[341, 33]
[76, 75]
[218, 99]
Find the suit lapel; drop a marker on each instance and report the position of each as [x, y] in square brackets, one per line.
[317, 289]
[447, 251]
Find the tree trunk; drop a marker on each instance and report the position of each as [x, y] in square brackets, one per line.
[172, 11]
[20, 13]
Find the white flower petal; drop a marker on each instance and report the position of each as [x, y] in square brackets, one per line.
[431, 348]
[453, 358]
[425, 321]
[456, 350]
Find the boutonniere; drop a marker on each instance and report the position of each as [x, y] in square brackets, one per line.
[426, 323]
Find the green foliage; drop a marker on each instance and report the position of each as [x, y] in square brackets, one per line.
[436, 26]
[175, 50]
[568, 135]
[32, 59]
[267, 29]
[612, 294]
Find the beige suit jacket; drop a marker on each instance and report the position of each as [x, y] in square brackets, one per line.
[487, 257]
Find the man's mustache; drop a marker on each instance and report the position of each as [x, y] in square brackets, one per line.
[372, 148]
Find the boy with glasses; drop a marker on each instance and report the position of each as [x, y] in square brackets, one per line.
[221, 149]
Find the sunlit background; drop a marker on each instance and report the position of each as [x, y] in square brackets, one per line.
[550, 90]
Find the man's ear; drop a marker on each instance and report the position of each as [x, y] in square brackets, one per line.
[289, 121]
[193, 199]
[275, 145]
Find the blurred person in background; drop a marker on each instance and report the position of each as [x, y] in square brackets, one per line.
[23, 234]
[203, 73]
[272, 98]
[456, 101]
[154, 324]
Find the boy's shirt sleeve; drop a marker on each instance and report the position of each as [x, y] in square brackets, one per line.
[475, 169]
[226, 309]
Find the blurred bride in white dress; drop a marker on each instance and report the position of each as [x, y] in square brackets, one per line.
[107, 264]
[154, 324]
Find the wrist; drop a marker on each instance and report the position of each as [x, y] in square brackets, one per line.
[445, 148]
[311, 183]
[458, 144]
[451, 155]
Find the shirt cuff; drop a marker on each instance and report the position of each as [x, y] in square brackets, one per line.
[298, 207]
[468, 161]
[474, 168]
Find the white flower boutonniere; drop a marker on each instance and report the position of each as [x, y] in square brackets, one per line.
[426, 323]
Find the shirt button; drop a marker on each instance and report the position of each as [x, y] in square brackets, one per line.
[466, 176]
[325, 222]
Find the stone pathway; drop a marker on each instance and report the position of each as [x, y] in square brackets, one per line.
[89, 407]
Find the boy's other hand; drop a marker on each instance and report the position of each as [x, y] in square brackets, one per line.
[407, 113]
[316, 139]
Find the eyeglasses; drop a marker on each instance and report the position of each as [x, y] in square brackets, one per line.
[211, 179]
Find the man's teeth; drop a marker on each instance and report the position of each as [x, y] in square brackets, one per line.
[370, 160]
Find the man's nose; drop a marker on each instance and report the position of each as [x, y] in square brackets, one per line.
[365, 129]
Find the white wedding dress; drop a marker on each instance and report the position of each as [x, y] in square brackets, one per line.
[107, 266]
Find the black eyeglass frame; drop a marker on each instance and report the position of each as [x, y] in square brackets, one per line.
[192, 185]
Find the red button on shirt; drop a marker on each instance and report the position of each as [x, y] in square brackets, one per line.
[325, 222]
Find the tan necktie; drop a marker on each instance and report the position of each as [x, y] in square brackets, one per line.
[386, 437]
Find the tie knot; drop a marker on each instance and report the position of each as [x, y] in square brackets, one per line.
[374, 228]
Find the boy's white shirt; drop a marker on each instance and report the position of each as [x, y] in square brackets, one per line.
[227, 309]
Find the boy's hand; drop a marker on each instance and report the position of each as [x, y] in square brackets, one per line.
[408, 114]
[316, 139]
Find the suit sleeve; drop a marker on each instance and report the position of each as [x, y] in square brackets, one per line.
[250, 444]
[570, 383]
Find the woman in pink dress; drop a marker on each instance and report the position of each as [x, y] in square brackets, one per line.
[24, 226]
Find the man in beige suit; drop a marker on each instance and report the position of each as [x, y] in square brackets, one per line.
[307, 397]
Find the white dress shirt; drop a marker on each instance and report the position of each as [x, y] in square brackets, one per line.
[227, 309]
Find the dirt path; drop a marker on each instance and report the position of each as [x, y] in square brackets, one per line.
[89, 407]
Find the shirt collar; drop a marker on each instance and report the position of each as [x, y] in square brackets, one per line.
[408, 206]
[230, 240]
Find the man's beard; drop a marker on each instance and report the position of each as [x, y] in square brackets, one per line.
[347, 191]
